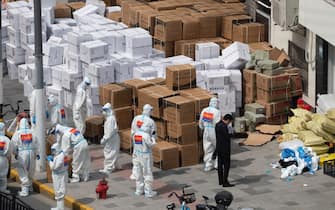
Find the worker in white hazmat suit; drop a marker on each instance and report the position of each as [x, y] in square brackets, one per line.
[59, 163]
[79, 105]
[56, 112]
[208, 119]
[25, 149]
[5, 152]
[143, 162]
[72, 139]
[143, 121]
[110, 140]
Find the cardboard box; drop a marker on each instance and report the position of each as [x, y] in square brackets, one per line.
[179, 109]
[124, 117]
[200, 97]
[250, 93]
[188, 154]
[191, 28]
[182, 133]
[154, 96]
[62, 11]
[273, 95]
[248, 32]
[74, 6]
[272, 82]
[147, 19]
[116, 16]
[126, 141]
[264, 46]
[136, 84]
[157, 81]
[168, 28]
[249, 77]
[208, 25]
[296, 84]
[275, 108]
[119, 96]
[228, 24]
[180, 77]
[166, 47]
[165, 155]
[277, 120]
[161, 128]
[94, 127]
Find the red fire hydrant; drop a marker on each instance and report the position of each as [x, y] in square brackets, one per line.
[102, 189]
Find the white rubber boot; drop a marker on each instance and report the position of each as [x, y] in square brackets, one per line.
[24, 192]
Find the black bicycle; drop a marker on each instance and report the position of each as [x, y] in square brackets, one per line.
[187, 197]
[223, 200]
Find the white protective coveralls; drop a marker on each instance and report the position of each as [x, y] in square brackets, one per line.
[56, 112]
[71, 139]
[208, 119]
[143, 121]
[111, 140]
[59, 165]
[79, 105]
[5, 152]
[25, 148]
[143, 162]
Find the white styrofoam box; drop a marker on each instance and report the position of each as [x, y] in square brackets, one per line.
[93, 51]
[16, 54]
[66, 21]
[49, 14]
[156, 54]
[31, 74]
[27, 23]
[73, 62]
[74, 49]
[52, 60]
[213, 63]
[238, 99]
[143, 62]
[78, 38]
[53, 54]
[47, 77]
[3, 50]
[4, 29]
[113, 9]
[29, 39]
[100, 4]
[199, 66]
[227, 101]
[139, 51]
[58, 30]
[14, 16]
[84, 68]
[12, 69]
[201, 79]
[145, 71]
[140, 40]
[30, 71]
[123, 69]
[236, 55]
[326, 102]
[217, 80]
[45, 3]
[14, 36]
[58, 92]
[56, 75]
[236, 79]
[86, 10]
[96, 19]
[160, 66]
[55, 40]
[206, 51]
[70, 80]
[17, 4]
[22, 72]
[178, 58]
[101, 69]
[93, 93]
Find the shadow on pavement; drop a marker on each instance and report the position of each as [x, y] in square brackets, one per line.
[161, 174]
[86, 200]
[241, 163]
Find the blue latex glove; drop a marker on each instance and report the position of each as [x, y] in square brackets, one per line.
[38, 157]
[47, 114]
[33, 120]
[50, 158]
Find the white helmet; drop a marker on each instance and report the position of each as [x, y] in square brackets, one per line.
[107, 109]
[214, 102]
[147, 109]
[52, 100]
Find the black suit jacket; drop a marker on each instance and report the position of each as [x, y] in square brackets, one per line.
[222, 140]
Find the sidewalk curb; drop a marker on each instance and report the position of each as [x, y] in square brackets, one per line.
[49, 192]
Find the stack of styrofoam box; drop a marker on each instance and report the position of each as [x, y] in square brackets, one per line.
[74, 40]
[145, 72]
[14, 50]
[112, 38]
[67, 21]
[93, 52]
[139, 45]
[70, 81]
[53, 52]
[206, 51]
[236, 55]
[123, 69]
[213, 63]
[22, 72]
[56, 79]
[27, 29]
[49, 14]
[5, 40]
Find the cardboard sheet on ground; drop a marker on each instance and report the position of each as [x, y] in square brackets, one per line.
[268, 129]
[257, 139]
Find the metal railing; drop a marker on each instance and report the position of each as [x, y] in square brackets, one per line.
[11, 202]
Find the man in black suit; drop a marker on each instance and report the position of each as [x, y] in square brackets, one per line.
[223, 149]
